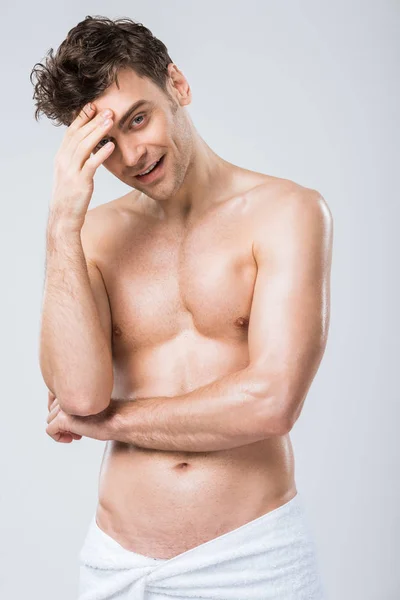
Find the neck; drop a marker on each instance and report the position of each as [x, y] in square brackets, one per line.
[203, 184]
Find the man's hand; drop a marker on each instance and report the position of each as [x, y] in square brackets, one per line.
[75, 165]
[65, 437]
[63, 427]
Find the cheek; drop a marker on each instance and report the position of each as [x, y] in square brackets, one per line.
[110, 166]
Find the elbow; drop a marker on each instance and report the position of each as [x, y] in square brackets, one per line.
[283, 423]
[271, 410]
[83, 408]
[275, 423]
[270, 419]
[85, 405]
[274, 411]
[287, 415]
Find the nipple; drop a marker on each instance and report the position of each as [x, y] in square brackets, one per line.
[242, 321]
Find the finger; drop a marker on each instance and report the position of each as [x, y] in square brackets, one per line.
[89, 145]
[62, 437]
[83, 119]
[95, 124]
[83, 141]
[94, 161]
[51, 398]
[54, 433]
[55, 428]
[53, 404]
[53, 413]
[84, 116]
[59, 428]
[65, 437]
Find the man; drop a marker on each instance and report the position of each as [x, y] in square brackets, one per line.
[183, 323]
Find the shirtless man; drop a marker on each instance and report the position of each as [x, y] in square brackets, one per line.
[183, 323]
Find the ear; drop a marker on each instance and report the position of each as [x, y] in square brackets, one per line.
[180, 85]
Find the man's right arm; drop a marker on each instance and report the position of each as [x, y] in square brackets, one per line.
[75, 338]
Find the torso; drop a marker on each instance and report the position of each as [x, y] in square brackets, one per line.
[180, 300]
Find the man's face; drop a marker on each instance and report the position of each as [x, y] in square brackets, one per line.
[157, 127]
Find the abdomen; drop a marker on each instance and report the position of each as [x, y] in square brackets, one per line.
[161, 503]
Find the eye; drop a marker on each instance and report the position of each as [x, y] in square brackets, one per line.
[105, 140]
[101, 143]
[137, 117]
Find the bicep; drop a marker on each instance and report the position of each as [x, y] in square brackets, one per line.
[101, 299]
[290, 311]
[95, 277]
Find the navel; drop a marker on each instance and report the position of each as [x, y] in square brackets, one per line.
[182, 465]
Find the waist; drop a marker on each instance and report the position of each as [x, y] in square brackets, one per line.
[147, 497]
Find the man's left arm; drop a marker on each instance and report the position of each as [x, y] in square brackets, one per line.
[287, 335]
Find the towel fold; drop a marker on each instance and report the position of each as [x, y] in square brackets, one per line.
[272, 557]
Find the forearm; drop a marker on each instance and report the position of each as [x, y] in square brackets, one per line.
[233, 411]
[74, 358]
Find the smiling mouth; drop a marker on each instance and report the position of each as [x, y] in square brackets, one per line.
[151, 167]
[152, 174]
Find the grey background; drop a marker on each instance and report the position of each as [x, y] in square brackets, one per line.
[303, 90]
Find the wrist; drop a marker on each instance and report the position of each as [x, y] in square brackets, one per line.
[117, 420]
[60, 231]
[58, 225]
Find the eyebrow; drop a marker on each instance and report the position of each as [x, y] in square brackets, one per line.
[130, 110]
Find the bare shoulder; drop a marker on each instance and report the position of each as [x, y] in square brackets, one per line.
[96, 229]
[104, 224]
[268, 196]
[276, 194]
[286, 218]
[277, 205]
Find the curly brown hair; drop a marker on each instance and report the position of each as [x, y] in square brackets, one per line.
[88, 60]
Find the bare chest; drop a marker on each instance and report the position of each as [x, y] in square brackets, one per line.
[163, 281]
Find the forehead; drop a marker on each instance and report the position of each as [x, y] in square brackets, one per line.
[130, 88]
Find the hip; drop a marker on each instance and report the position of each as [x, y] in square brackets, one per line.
[271, 557]
[164, 505]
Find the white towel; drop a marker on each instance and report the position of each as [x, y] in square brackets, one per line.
[272, 557]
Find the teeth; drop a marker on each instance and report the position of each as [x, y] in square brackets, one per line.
[150, 168]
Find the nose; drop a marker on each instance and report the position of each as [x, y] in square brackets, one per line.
[132, 156]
